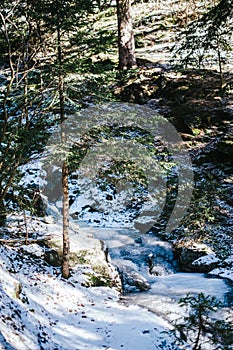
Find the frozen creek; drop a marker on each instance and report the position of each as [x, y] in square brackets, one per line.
[131, 248]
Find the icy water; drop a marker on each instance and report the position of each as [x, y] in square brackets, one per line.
[128, 245]
[165, 293]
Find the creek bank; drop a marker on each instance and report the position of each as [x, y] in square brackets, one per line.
[124, 258]
[88, 257]
[87, 254]
[141, 259]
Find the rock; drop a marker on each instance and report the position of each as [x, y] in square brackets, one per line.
[206, 263]
[132, 280]
[104, 275]
[52, 257]
[85, 251]
[187, 254]
[225, 146]
[158, 270]
[49, 219]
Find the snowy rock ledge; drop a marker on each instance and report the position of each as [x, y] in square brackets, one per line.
[87, 254]
[226, 272]
[200, 258]
[187, 255]
[206, 263]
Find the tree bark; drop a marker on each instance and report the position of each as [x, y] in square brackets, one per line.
[65, 213]
[2, 214]
[200, 326]
[126, 44]
[65, 168]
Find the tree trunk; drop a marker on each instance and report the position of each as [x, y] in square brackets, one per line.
[200, 326]
[65, 213]
[65, 169]
[2, 214]
[60, 73]
[126, 45]
[219, 62]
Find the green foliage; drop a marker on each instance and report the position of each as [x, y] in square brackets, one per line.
[99, 277]
[203, 210]
[212, 32]
[221, 243]
[90, 41]
[23, 117]
[30, 83]
[80, 257]
[200, 326]
[118, 171]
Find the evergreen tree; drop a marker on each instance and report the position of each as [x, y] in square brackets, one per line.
[200, 327]
[60, 17]
[23, 121]
[212, 32]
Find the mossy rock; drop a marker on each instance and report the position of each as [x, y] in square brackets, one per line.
[54, 257]
[103, 276]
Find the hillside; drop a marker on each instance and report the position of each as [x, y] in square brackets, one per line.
[128, 272]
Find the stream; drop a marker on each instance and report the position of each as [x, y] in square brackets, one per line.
[129, 248]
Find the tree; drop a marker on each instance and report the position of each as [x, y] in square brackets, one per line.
[23, 122]
[211, 33]
[60, 17]
[199, 327]
[126, 44]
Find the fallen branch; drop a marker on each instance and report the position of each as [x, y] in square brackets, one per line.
[23, 240]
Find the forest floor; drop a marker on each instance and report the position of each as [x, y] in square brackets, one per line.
[39, 310]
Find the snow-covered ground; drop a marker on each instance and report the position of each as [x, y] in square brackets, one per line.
[40, 310]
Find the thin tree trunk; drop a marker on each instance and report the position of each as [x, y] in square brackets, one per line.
[65, 213]
[26, 227]
[200, 325]
[2, 214]
[219, 62]
[126, 44]
[65, 168]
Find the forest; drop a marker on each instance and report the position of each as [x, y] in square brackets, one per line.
[116, 174]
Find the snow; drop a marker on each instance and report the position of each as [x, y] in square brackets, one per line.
[207, 260]
[40, 310]
[224, 272]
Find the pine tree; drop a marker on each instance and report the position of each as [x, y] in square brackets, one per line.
[212, 32]
[199, 326]
[23, 123]
[60, 17]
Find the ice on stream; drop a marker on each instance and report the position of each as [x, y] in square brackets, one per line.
[130, 246]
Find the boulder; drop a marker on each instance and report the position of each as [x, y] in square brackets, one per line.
[158, 270]
[187, 254]
[206, 263]
[85, 251]
[132, 280]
